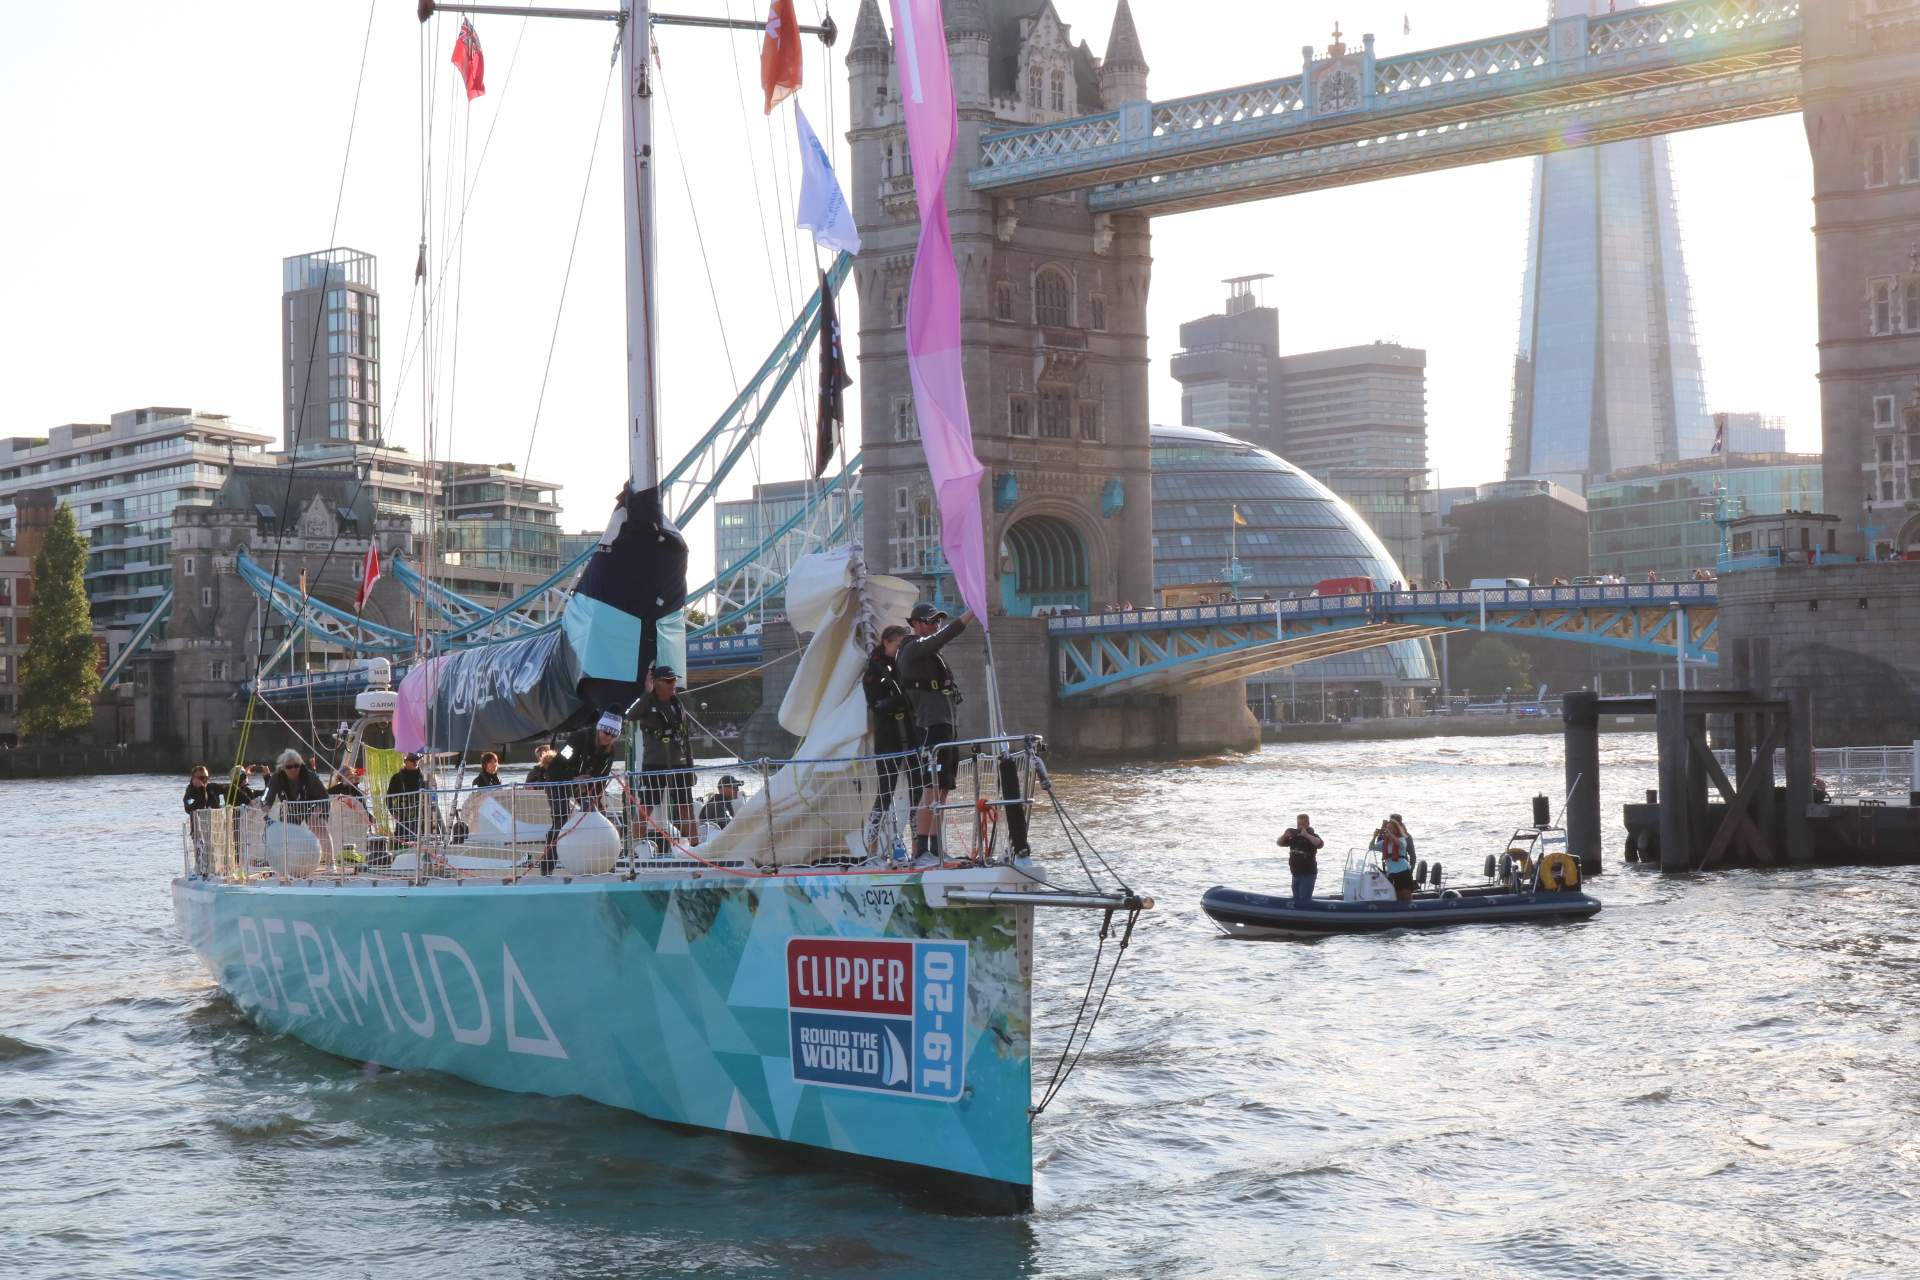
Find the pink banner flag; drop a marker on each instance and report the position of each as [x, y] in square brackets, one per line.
[933, 300]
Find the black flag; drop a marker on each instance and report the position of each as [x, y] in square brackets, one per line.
[832, 413]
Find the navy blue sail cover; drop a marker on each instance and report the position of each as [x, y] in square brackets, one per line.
[506, 692]
[636, 577]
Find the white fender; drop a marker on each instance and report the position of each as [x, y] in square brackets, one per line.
[589, 846]
[292, 850]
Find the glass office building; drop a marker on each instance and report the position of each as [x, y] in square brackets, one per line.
[1650, 519]
[1297, 534]
[1608, 374]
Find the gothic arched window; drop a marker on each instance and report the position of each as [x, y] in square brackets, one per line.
[1059, 91]
[1033, 86]
[1050, 294]
[1098, 306]
[1003, 301]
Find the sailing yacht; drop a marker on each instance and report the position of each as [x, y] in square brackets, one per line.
[783, 969]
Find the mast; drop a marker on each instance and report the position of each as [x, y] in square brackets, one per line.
[643, 337]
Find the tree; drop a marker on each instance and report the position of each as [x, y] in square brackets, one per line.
[1493, 667]
[59, 671]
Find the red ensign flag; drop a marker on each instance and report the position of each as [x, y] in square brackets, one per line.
[780, 54]
[472, 63]
[369, 574]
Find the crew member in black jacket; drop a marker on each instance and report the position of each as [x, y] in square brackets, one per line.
[585, 763]
[666, 752]
[407, 799]
[895, 736]
[305, 795]
[926, 675]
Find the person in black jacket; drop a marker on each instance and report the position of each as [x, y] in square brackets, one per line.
[719, 806]
[1302, 842]
[926, 675]
[201, 793]
[666, 752]
[407, 799]
[305, 796]
[585, 763]
[895, 736]
[489, 775]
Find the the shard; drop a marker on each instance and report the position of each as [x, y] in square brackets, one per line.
[1608, 374]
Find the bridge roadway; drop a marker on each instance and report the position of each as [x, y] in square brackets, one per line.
[1154, 650]
[1350, 117]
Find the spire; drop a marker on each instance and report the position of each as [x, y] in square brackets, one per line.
[869, 33]
[1123, 72]
[1123, 45]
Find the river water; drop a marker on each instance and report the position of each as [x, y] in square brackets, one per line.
[1717, 1077]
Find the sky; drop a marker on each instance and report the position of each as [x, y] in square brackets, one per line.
[163, 159]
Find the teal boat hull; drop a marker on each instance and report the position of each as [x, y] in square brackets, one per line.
[836, 1013]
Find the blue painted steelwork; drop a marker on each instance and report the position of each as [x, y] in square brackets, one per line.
[723, 651]
[1350, 117]
[162, 606]
[787, 357]
[317, 684]
[1111, 653]
[318, 618]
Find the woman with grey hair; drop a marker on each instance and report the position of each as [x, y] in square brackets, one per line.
[305, 794]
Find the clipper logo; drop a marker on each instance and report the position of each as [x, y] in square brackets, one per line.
[885, 1016]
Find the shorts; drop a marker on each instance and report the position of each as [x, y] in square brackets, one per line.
[946, 760]
[1401, 880]
[672, 789]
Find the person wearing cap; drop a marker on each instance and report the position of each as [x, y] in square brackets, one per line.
[719, 807]
[896, 739]
[666, 753]
[406, 798]
[585, 763]
[347, 783]
[930, 681]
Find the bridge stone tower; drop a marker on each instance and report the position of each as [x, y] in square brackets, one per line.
[1862, 113]
[1054, 327]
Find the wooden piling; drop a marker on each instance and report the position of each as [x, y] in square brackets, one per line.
[1676, 830]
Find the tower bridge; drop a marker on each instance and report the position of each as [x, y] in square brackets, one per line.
[1351, 117]
[1068, 159]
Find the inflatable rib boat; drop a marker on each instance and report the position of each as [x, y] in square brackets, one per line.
[1534, 882]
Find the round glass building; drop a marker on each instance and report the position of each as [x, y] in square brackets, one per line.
[1297, 534]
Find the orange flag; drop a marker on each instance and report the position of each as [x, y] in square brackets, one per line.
[780, 54]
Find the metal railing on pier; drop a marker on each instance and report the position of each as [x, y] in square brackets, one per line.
[1857, 773]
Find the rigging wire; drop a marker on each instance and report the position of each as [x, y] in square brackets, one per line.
[313, 347]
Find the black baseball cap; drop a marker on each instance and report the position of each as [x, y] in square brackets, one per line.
[665, 673]
[728, 780]
[924, 612]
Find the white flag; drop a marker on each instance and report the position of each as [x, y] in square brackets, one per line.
[823, 208]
